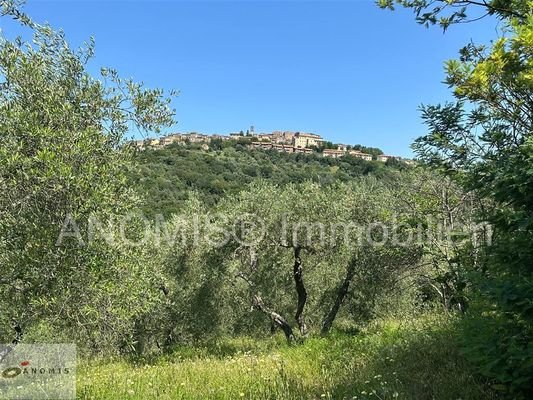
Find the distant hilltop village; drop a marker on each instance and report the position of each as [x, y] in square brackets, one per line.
[287, 142]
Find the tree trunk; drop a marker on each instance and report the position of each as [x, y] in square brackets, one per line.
[341, 294]
[275, 318]
[300, 289]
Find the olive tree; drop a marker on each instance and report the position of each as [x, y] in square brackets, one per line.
[298, 249]
[63, 161]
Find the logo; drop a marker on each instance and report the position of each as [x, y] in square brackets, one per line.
[13, 372]
[30, 371]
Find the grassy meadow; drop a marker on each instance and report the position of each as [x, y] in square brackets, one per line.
[411, 359]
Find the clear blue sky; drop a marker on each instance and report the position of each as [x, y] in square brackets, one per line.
[346, 70]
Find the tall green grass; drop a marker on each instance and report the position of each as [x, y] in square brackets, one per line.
[415, 359]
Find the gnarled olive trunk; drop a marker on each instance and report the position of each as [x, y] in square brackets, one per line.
[276, 319]
[300, 290]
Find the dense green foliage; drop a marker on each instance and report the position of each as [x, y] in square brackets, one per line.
[483, 142]
[166, 176]
[252, 244]
[60, 156]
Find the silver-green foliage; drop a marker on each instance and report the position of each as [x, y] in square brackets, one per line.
[61, 136]
[251, 252]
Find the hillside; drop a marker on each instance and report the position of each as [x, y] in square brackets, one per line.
[166, 176]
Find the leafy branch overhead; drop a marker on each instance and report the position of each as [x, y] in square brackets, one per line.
[448, 12]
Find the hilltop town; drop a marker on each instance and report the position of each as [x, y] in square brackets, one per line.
[282, 141]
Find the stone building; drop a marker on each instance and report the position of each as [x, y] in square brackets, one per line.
[305, 140]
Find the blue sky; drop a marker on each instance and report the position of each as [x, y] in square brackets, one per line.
[346, 70]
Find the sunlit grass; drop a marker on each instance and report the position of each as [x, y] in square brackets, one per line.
[412, 360]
